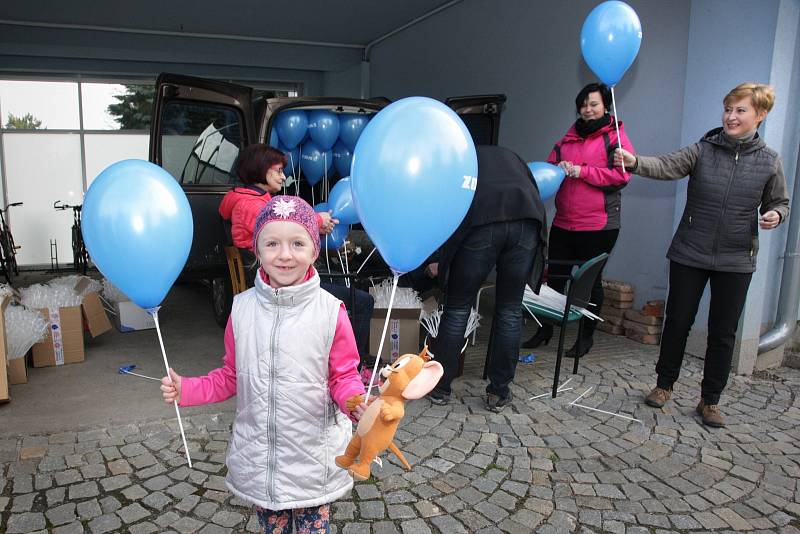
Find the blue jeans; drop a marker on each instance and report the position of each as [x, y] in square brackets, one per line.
[510, 246]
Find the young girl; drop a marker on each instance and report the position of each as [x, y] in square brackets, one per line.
[291, 360]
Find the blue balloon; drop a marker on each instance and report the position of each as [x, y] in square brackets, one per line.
[314, 161]
[413, 177]
[548, 178]
[292, 167]
[340, 201]
[137, 225]
[273, 138]
[610, 40]
[291, 126]
[323, 127]
[351, 126]
[336, 238]
[342, 158]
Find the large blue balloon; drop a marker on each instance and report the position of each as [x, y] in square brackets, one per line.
[340, 201]
[323, 127]
[351, 126]
[413, 176]
[610, 39]
[137, 226]
[548, 177]
[273, 138]
[314, 161]
[291, 126]
[342, 158]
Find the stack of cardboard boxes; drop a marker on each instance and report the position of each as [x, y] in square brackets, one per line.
[64, 341]
[617, 299]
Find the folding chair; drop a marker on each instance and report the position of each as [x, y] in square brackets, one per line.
[579, 292]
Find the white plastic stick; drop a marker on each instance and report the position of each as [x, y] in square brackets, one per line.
[581, 395]
[141, 376]
[548, 393]
[616, 123]
[366, 260]
[607, 413]
[383, 335]
[154, 313]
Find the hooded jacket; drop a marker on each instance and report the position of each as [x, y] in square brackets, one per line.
[730, 181]
[593, 201]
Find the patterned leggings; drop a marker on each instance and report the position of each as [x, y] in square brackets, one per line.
[306, 520]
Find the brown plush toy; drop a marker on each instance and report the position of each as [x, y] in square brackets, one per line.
[411, 376]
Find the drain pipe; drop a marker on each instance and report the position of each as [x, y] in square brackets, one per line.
[789, 296]
[368, 47]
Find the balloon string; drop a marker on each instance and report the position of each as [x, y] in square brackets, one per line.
[366, 260]
[325, 179]
[154, 313]
[383, 335]
[327, 259]
[616, 124]
[341, 264]
[297, 178]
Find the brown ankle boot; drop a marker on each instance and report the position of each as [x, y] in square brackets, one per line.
[658, 397]
[710, 414]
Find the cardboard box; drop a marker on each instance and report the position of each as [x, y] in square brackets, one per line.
[64, 341]
[402, 336]
[3, 352]
[130, 317]
[17, 373]
[93, 312]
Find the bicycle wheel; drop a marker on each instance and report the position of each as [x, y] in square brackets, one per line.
[4, 258]
[13, 248]
[76, 249]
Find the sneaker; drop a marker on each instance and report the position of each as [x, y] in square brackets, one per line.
[710, 414]
[438, 398]
[496, 403]
[658, 397]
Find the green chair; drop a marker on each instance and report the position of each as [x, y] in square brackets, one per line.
[579, 290]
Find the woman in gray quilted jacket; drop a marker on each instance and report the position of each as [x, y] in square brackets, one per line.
[733, 176]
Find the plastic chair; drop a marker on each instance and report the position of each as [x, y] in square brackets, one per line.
[578, 294]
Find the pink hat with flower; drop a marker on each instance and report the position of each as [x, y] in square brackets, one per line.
[289, 208]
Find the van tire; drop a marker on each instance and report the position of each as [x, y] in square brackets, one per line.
[221, 299]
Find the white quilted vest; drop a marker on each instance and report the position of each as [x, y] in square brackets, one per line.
[287, 429]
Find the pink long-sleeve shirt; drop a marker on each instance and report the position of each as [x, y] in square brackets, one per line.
[344, 381]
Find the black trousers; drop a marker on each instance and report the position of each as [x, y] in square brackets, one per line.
[582, 246]
[686, 286]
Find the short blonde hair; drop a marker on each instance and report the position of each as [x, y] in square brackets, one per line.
[761, 95]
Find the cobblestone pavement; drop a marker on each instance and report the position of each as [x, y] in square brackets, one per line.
[541, 466]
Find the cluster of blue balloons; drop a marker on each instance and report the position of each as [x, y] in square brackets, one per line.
[316, 141]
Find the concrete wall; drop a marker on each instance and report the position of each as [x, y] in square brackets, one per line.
[531, 52]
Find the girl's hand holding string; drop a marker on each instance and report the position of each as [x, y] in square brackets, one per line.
[171, 387]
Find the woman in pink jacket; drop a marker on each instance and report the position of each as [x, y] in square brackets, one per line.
[259, 169]
[587, 217]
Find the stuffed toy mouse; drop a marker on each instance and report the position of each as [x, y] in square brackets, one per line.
[411, 376]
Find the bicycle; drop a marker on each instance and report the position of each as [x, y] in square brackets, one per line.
[80, 258]
[8, 250]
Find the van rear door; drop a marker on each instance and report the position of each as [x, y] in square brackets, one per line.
[481, 114]
[198, 128]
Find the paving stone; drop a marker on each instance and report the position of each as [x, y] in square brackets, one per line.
[416, 526]
[25, 522]
[72, 528]
[401, 511]
[143, 528]
[23, 503]
[83, 490]
[132, 513]
[206, 510]
[157, 500]
[228, 519]
[89, 509]
[384, 527]
[105, 523]
[186, 525]
[61, 515]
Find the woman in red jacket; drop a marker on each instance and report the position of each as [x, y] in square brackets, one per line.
[259, 169]
[587, 217]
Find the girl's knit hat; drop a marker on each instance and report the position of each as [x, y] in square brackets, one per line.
[288, 208]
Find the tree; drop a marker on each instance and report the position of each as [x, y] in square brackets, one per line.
[25, 122]
[134, 107]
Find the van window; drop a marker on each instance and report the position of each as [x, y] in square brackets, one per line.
[200, 142]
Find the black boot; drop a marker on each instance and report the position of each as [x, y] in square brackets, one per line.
[586, 344]
[542, 335]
